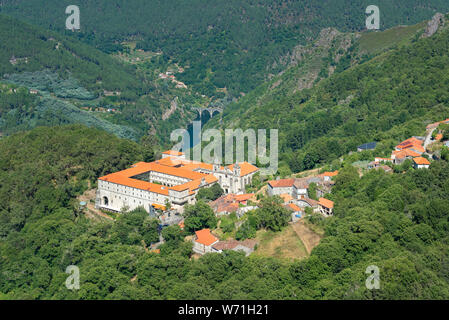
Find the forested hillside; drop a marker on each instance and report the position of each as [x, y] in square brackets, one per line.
[397, 222]
[228, 44]
[386, 99]
[70, 76]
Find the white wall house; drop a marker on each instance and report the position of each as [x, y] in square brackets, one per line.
[281, 186]
[204, 241]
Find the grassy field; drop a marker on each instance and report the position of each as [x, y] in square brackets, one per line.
[375, 42]
[284, 245]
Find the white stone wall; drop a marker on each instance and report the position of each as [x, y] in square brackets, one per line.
[119, 196]
[202, 249]
[278, 191]
[298, 193]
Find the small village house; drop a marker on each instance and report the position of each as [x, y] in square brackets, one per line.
[297, 212]
[247, 246]
[278, 187]
[327, 176]
[300, 189]
[326, 207]
[421, 163]
[204, 241]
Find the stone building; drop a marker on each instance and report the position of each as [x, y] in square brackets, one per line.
[172, 180]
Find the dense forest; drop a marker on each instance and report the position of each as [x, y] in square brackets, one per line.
[53, 147]
[387, 99]
[225, 44]
[397, 222]
[70, 75]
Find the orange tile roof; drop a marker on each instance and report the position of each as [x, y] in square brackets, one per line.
[282, 183]
[330, 174]
[421, 161]
[134, 183]
[293, 207]
[243, 197]
[205, 237]
[286, 197]
[405, 153]
[173, 153]
[195, 184]
[412, 140]
[158, 206]
[439, 137]
[326, 203]
[171, 166]
[245, 168]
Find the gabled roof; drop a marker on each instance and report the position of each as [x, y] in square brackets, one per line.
[330, 174]
[205, 237]
[411, 140]
[293, 207]
[405, 153]
[282, 183]
[173, 153]
[311, 202]
[326, 203]
[421, 161]
[243, 197]
[301, 183]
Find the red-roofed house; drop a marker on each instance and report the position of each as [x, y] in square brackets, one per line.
[327, 176]
[229, 203]
[278, 187]
[326, 207]
[297, 212]
[204, 241]
[421, 163]
[400, 156]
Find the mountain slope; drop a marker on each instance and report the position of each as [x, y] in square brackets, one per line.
[70, 76]
[388, 98]
[225, 44]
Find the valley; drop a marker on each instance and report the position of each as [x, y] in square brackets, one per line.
[90, 178]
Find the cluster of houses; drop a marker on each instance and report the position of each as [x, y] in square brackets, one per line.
[230, 203]
[411, 148]
[100, 109]
[296, 195]
[205, 242]
[14, 61]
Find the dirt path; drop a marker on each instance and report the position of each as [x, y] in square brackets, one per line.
[92, 212]
[307, 236]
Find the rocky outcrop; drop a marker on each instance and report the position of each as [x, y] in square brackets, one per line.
[433, 25]
[173, 107]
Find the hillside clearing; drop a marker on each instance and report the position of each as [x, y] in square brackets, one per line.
[285, 244]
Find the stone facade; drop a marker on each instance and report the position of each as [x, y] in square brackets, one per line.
[171, 180]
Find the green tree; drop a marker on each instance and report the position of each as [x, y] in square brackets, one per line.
[199, 216]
